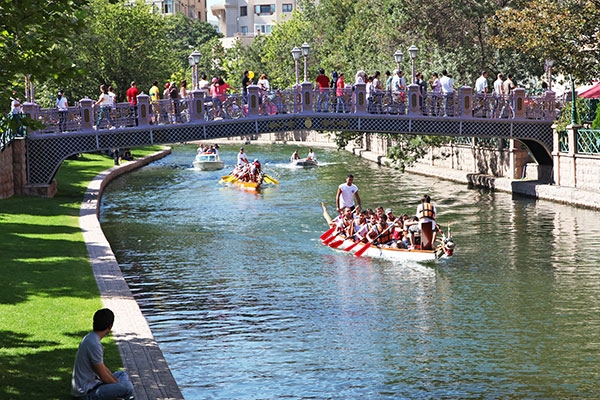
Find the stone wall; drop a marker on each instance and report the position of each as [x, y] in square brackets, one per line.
[6, 172]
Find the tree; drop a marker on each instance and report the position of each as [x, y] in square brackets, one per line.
[185, 35]
[565, 31]
[123, 42]
[32, 35]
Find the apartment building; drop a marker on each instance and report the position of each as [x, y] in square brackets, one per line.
[250, 18]
[194, 9]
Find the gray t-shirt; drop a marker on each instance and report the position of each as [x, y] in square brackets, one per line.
[90, 353]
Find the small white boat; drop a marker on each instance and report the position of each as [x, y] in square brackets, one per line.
[304, 162]
[208, 162]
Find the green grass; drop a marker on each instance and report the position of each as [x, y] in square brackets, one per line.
[48, 293]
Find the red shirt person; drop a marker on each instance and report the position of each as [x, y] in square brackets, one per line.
[132, 94]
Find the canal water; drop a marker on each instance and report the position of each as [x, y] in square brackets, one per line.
[246, 303]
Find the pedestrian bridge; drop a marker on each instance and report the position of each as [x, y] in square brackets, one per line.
[200, 118]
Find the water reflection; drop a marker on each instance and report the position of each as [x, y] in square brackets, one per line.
[246, 304]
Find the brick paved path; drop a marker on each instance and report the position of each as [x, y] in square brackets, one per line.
[142, 358]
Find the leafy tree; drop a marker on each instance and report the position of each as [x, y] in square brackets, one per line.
[565, 31]
[31, 35]
[122, 43]
[185, 35]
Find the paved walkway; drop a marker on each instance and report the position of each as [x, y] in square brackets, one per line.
[142, 358]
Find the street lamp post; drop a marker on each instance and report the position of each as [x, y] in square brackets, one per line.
[296, 52]
[398, 56]
[305, 52]
[548, 65]
[194, 60]
[413, 51]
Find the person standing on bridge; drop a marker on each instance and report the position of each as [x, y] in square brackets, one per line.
[481, 84]
[105, 102]
[246, 81]
[63, 110]
[447, 84]
[322, 81]
[132, 94]
[498, 94]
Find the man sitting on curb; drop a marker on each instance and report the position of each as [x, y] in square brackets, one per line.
[92, 380]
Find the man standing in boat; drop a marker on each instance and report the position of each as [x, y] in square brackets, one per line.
[311, 155]
[242, 159]
[426, 212]
[346, 194]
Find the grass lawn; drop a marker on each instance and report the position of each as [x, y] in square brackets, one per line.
[48, 293]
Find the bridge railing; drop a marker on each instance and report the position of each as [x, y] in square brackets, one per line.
[199, 107]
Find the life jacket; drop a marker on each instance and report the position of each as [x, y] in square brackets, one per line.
[426, 211]
[385, 237]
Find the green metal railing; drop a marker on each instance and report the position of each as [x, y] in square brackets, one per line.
[563, 142]
[588, 141]
[11, 127]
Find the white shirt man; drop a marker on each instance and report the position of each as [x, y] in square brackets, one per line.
[481, 84]
[447, 84]
[242, 159]
[498, 90]
[346, 194]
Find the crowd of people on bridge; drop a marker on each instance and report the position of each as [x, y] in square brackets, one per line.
[385, 93]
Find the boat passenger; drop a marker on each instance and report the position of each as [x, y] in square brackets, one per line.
[345, 225]
[390, 215]
[295, 156]
[381, 234]
[426, 212]
[311, 155]
[379, 212]
[411, 226]
[255, 170]
[361, 227]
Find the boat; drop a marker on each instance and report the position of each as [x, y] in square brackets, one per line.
[304, 162]
[249, 185]
[208, 162]
[444, 249]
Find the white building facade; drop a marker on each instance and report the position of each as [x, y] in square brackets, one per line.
[250, 18]
[194, 9]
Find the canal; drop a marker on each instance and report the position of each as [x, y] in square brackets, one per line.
[246, 303]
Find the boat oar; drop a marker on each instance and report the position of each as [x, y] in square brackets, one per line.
[329, 240]
[327, 233]
[362, 250]
[336, 243]
[228, 178]
[353, 245]
[270, 179]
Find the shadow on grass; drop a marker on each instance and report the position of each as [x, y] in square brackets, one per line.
[42, 370]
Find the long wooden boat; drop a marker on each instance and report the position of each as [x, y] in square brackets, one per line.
[399, 254]
[444, 249]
